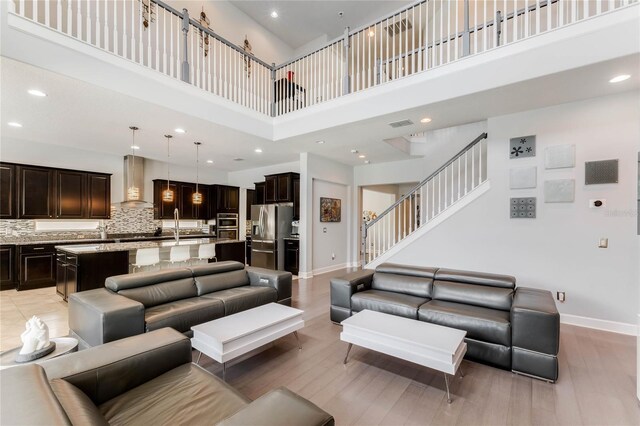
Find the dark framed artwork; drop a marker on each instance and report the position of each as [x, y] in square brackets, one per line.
[330, 209]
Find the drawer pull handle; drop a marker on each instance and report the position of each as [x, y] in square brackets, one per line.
[38, 248]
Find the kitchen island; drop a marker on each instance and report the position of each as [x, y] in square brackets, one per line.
[86, 266]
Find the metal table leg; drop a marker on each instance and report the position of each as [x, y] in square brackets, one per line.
[347, 355]
[199, 355]
[446, 382]
[224, 371]
[295, 333]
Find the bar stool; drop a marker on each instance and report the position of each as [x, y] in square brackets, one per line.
[206, 252]
[146, 257]
[179, 254]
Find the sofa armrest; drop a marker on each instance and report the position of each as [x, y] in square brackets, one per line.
[280, 280]
[27, 398]
[535, 321]
[109, 370]
[280, 407]
[343, 288]
[100, 316]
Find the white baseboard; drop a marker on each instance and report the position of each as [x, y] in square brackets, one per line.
[330, 268]
[599, 324]
[305, 275]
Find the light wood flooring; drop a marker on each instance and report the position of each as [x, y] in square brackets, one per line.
[596, 385]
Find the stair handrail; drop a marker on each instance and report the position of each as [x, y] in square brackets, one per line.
[424, 181]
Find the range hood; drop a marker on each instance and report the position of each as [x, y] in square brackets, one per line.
[134, 175]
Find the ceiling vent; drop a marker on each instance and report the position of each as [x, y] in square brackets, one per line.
[398, 27]
[401, 123]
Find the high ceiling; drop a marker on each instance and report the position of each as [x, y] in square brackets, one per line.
[301, 21]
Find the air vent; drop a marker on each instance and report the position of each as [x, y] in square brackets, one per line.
[401, 123]
[398, 27]
[238, 159]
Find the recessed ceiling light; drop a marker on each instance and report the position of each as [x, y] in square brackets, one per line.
[274, 14]
[619, 78]
[371, 33]
[354, 151]
[14, 124]
[367, 161]
[36, 92]
[320, 142]
[136, 147]
[426, 120]
[179, 130]
[362, 156]
[257, 150]
[210, 161]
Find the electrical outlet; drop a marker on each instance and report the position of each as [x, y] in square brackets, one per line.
[603, 243]
[324, 230]
[560, 296]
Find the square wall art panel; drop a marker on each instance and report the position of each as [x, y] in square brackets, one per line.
[522, 146]
[560, 156]
[522, 177]
[330, 209]
[559, 191]
[523, 208]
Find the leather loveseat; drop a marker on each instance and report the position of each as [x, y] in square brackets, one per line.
[507, 327]
[179, 298]
[142, 380]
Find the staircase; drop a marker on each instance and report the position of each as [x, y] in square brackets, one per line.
[452, 186]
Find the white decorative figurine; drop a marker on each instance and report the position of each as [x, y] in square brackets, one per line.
[35, 341]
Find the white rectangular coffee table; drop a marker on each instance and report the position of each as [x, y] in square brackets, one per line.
[430, 345]
[229, 337]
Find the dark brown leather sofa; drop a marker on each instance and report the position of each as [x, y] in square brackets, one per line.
[507, 327]
[179, 298]
[142, 380]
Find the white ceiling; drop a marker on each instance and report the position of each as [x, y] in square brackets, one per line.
[301, 21]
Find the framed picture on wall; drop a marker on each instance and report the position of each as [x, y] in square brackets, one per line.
[330, 209]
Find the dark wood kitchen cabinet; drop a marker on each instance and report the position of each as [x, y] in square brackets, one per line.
[187, 209]
[7, 191]
[46, 193]
[292, 256]
[7, 267]
[37, 266]
[227, 199]
[296, 198]
[36, 190]
[250, 195]
[99, 199]
[88, 271]
[260, 194]
[164, 209]
[66, 275]
[279, 188]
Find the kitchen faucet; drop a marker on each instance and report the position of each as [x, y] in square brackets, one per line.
[176, 227]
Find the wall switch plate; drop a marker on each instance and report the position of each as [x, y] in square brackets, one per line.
[603, 243]
[560, 296]
[333, 256]
[597, 203]
[324, 230]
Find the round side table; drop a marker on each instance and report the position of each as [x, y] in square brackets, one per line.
[64, 345]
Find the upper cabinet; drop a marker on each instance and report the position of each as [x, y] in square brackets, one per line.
[215, 199]
[227, 199]
[279, 188]
[260, 194]
[33, 192]
[164, 209]
[7, 191]
[296, 198]
[251, 194]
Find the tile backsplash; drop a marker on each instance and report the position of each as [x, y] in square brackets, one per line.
[123, 221]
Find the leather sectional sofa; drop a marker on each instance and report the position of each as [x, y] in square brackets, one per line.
[179, 298]
[148, 380]
[507, 327]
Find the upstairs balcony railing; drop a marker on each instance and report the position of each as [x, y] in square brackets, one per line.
[425, 35]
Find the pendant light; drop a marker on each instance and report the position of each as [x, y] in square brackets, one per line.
[196, 198]
[167, 194]
[133, 192]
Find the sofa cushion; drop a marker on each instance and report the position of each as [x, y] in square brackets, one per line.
[413, 271]
[185, 395]
[143, 279]
[478, 278]
[218, 281]
[489, 325]
[405, 284]
[403, 305]
[78, 406]
[158, 294]
[472, 294]
[183, 314]
[240, 299]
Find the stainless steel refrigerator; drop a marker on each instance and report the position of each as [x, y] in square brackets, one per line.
[270, 224]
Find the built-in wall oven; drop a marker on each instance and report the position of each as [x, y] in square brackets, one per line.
[227, 225]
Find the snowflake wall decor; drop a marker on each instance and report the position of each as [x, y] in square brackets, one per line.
[522, 146]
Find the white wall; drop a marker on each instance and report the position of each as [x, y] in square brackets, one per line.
[330, 250]
[377, 200]
[558, 250]
[312, 168]
[42, 154]
[233, 24]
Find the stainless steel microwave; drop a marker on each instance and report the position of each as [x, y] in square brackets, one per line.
[227, 221]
